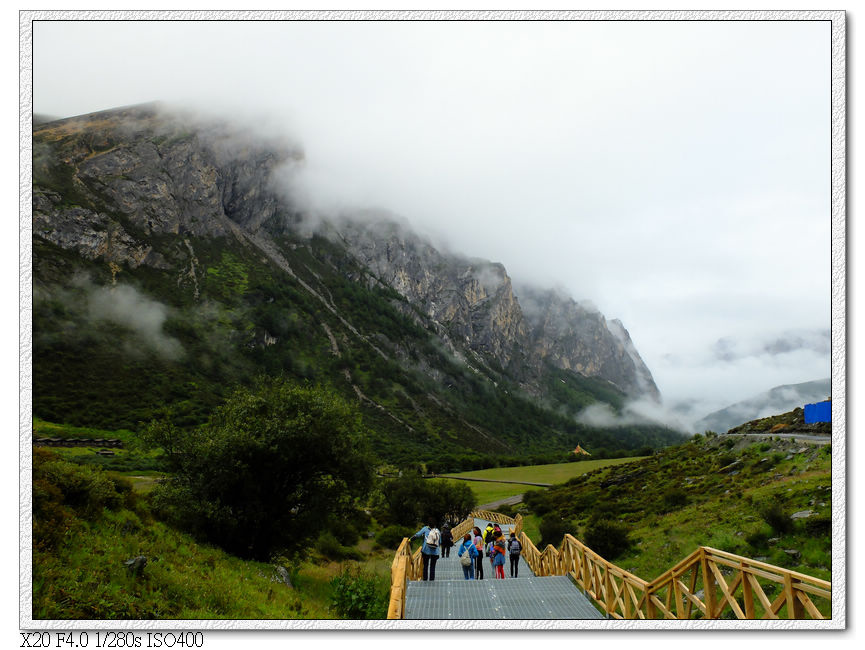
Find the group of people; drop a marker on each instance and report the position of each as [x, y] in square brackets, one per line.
[473, 548]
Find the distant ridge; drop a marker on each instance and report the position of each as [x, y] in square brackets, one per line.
[776, 400]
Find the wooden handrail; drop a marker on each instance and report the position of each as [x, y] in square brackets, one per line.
[708, 583]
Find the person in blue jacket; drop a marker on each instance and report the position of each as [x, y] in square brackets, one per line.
[468, 547]
[432, 538]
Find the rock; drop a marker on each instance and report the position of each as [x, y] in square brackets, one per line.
[282, 572]
[802, 514]
[731, 466]
[773, 540]
[802, 450]
[136, 565]
[793, 553]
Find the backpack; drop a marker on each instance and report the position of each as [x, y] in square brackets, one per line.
[488, 535]
[515, 547]
[432, 538]
[466, 557]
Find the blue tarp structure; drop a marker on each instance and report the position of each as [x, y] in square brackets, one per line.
[819, 412]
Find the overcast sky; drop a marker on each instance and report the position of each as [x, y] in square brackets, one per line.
[676, 174]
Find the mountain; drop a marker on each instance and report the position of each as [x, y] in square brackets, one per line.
[171, 264]
[776, 400]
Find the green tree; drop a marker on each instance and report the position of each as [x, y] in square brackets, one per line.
[268, 471]
[410, 500]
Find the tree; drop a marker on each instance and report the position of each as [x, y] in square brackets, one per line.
[268, 470]
[410, 500]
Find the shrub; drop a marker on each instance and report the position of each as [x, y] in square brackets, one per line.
[331, 549]
[674, 498]
[538, 502]
[725, 459]
[818, 525]
[553, 529]
[62, 491]
[345, 533]
[359, 595]
[609, 539]
[391, 536]
[757, 540]
[773, 514]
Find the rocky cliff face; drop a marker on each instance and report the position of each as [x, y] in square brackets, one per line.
[126, 186]
[579, 338]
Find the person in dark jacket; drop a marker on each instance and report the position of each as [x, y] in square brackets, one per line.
[447, 541]
[514, 550]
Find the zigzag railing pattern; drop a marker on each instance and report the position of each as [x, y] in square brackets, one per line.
[707, 584]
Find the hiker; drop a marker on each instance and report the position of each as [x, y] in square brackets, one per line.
[467, 554]
[478, 541]
[514, 549]
[499, 556]
[488, 533]
[447, 541]
[430, 549]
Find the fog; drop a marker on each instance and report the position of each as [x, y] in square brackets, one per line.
[675, 174]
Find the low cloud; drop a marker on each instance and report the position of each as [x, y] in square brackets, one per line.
[637, 412]
[123, 305]
[730, 348]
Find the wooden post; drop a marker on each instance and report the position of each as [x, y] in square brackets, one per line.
[794, 607]
[708, 585]
[747, 593]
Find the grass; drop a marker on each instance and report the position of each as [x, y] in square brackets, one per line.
[721, 509]
[183, 579]
[43, 429]
[553, 473]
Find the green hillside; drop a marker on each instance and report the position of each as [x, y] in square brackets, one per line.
[726, 492]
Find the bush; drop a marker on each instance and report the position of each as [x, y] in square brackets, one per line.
[331, 549]
[359, 595]
[63, 491]
[391, 536]
[538, 502]
[609, 539]
[553, 529]
[674, 498]
[726, 459]
[757, 540]
[345, 533]
[773, 514]
[818, 525]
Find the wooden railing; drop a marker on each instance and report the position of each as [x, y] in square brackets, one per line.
[707, 584]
